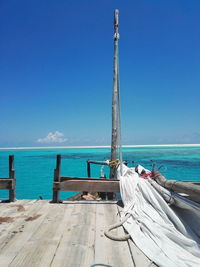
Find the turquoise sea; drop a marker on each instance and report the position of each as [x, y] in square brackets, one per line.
[35, 167]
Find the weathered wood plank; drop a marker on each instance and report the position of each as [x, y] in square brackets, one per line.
[90, 202]
[76, 246]
[6, 183]
[13, 209]
[18, 214]
[40, 248]
[108, 251]
[45, 234]
[76, 197]
[17, 233]
[86, 185]
[67, 178]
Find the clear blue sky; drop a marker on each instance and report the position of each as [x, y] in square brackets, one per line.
[56, 71]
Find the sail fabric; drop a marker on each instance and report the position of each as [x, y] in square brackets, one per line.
[168, 236]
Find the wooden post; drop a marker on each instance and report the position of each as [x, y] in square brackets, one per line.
[115, 94]
[56, 193]
[88, 169]
[12, 191]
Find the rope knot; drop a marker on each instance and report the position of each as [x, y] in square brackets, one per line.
[114, 163]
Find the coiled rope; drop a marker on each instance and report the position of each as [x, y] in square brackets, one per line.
[115, 226]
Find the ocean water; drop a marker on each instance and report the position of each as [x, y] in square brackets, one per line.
[35, 167]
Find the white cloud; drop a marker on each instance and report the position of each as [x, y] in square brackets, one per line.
[56, 137]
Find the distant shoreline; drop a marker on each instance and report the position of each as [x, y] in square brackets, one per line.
[79, 147]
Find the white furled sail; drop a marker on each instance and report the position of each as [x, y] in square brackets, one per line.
[168, 235]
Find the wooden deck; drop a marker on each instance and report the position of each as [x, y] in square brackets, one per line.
[38, 233]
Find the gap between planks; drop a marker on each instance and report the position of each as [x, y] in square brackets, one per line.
[64, 235]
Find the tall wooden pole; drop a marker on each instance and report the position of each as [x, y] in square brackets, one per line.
[115, 93]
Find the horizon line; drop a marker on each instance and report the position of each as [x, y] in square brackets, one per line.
[106, 146]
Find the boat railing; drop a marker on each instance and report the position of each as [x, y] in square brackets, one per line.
[9, 183]
[89, 162]
[83, 184]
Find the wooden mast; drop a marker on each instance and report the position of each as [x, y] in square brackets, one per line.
[115, 94]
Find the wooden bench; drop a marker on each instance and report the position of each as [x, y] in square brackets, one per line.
[62, 183]
[10, 182]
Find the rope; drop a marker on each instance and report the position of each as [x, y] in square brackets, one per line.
[114, 163]
[115, 226]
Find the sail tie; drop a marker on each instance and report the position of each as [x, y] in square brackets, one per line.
[114, 163]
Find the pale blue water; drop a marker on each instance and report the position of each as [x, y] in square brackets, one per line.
[34, 168]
